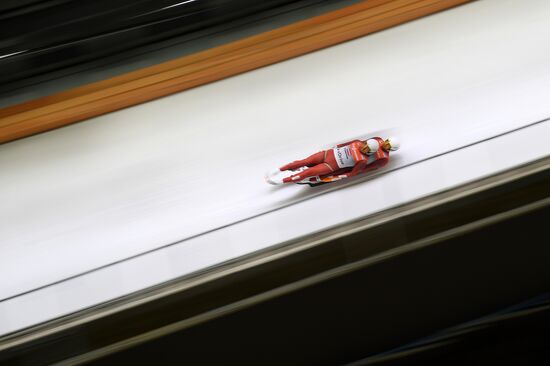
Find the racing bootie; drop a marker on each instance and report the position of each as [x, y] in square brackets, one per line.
[274, 177]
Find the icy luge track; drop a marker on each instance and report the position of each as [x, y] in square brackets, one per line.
[309, 194]
[79, 198]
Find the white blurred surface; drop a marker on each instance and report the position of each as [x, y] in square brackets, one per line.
[88, 195]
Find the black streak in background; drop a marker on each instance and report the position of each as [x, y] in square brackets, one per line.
[44, 36]
[380, 307]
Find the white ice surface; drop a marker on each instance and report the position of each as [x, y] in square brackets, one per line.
[97, 192]
[327, 210]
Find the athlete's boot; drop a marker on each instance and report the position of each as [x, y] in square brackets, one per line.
[274, 177]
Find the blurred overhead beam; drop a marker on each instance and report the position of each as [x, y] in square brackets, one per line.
[136, 87]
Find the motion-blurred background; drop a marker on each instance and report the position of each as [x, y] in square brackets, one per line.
[136, 227]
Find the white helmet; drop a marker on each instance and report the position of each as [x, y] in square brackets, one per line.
[394, 143]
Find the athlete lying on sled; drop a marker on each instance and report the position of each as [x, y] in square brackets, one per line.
[343, 161]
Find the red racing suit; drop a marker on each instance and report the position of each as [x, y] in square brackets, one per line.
[344, 161]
